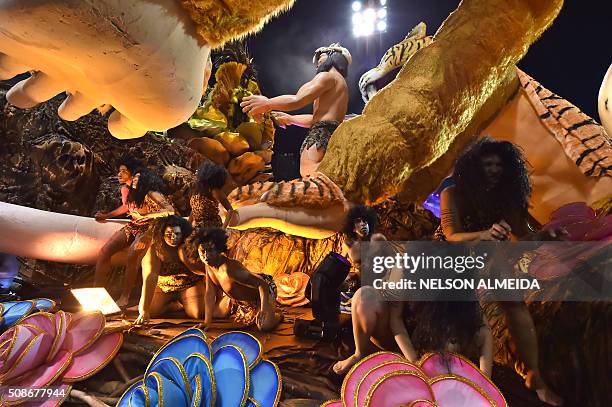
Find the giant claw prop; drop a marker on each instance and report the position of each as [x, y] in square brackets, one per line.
[146, 58]
[604, 102]
[312, 206]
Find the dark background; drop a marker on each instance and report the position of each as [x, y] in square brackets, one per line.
[570, 59]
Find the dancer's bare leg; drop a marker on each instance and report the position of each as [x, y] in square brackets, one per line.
[369, 315]
[273, 316]
[117, 242]
[135, 255]
[160, 303]
[222, 307]
[193, 300]
[310, 160]
[524, 335]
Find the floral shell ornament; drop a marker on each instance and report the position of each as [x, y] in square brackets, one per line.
[45, 349]
[11, 312]
[387, 379]
[191, 371]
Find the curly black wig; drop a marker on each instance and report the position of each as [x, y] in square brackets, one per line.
[439, 322]
[133, 165]
[148, 181]
[210, 176]
[335, 60]
[216, 236]
[508, 200]
[160, 227]
[366, 213]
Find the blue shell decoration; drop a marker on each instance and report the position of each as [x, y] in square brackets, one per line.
[191, 371]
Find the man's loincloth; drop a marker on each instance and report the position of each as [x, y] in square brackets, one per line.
[245, 312]
[319, 134]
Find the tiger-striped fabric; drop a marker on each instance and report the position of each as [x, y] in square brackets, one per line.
[398, 54]
[395, 57]
[583, 139]
[249, 194]
[316, 191]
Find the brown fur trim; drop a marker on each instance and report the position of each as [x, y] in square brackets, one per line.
[219, 21]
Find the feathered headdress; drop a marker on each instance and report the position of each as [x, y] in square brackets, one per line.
[335, 47]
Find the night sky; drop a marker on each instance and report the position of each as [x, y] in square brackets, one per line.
[570, 59]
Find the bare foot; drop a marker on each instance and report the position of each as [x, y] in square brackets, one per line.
[344, 366]
[549, 397]
[545, 394]
[267, 324]
[123, 301]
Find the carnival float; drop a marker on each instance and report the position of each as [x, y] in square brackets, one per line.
[109, 78]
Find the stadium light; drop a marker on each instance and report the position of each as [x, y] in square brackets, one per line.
[369, 17]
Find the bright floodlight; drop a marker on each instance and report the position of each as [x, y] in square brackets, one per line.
[367, 19]
[369, 15]
[96, 299]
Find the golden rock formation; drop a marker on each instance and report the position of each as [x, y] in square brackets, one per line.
[252, 132]
[272, 252]
[229, 137]
[448, 89]
[245, 167]
[234, 143]
[265, 154]
[211, 149]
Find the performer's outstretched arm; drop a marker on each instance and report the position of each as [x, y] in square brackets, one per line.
[283, 119]
[120, 210]
[257, 104]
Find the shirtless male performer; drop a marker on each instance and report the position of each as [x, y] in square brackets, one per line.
[231, 289]
[327, 91]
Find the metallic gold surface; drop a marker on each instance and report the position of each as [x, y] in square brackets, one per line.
[437, 96]
[233, 142]
[211, 149]
[252, 132]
